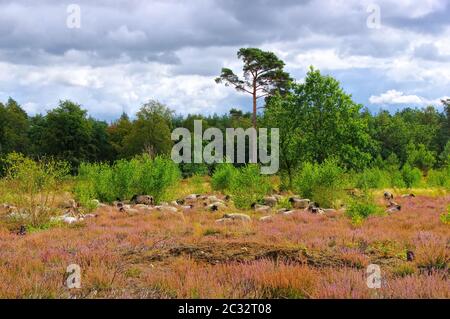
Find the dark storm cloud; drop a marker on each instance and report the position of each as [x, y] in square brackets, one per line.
[128, 51]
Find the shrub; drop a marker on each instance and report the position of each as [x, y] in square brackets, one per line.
[397, 179]
[221, 179]
[445, 217]
[439, 178]
[411, 176]
[248, 186]
[362, 207]
[125, 178]
[323, 183]
[373, 178]
[36, 184]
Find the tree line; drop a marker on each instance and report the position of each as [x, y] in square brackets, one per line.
[318, 120]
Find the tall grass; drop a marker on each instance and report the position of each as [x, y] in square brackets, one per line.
[125, 178]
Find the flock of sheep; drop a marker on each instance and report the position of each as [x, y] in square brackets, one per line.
[146, 203]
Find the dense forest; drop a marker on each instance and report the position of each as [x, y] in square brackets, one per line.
[317, 121]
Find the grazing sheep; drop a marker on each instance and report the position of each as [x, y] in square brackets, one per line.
[180, 201]
[393, 209]
[142, 199]
[279, 198]
[391, 203]
[187, 208]
[69, 204]
[266, 219]
[237, 216]
[388, 196]
[410, 255]
[128, 211]
[216, 206]
[261, 208]
[224, 220]
[191, 197]
[299, 203]
[270, 201]
[69, 219]
[166, 209]
[288, 212]
[314, 209]
[22, 231]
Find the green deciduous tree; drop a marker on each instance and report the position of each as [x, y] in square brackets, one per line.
[14, 127]
[150, 132]
[320, 121]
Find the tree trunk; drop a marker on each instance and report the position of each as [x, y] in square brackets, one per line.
[254, 104]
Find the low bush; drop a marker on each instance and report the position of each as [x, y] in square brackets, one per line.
[221, 179]
[323, 183]
[439, 178]
[362, 207]
[248, 186]
[373, 178]
[125, 178]
[35, 185]
[412, 176]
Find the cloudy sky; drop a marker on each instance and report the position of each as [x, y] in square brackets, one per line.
[127, 52]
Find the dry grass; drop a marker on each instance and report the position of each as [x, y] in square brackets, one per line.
[153, 255]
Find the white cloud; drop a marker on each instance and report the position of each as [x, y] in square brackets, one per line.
[397, 97]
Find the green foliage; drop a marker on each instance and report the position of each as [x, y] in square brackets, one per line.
[411, 176]
[191, 169]
[223, 176]
[318, 121]
[372, 178]
[362, 207]
[439, 178]
[66, 133]
[35, 185]
[444, 157]
[263, 75]
[248, 186]
[419, 156]
[125, 178]
[445, 217]
[198, 184]
[322, 183]
[150, 133]
[14, 126]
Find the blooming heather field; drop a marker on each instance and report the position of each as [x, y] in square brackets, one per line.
[154, 254]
